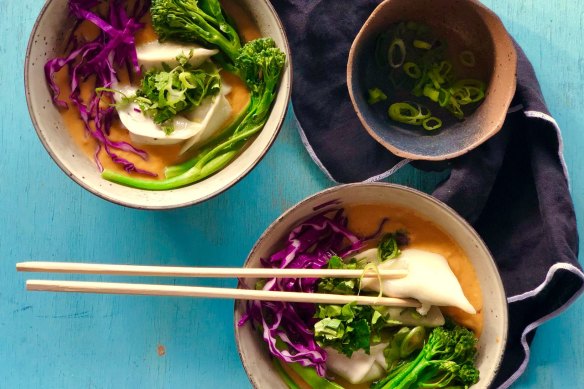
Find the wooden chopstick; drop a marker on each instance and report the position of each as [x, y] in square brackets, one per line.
[201, 272]
[210, 292]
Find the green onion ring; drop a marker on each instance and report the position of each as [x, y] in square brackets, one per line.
[444, 68]
[431, 93]
[421, 108]
[469, 82]
[443, 97]
[404, 113]
[429, 126]
[412, 70]
[467, 58]
[420, 44]
[436, 79]
[408, 113]
[396, 44]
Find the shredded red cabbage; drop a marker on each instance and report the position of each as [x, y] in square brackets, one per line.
[113, 47]
[309, 246]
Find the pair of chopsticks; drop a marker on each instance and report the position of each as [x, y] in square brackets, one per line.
[206, 292]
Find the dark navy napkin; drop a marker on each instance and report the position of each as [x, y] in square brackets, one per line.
[513, 189]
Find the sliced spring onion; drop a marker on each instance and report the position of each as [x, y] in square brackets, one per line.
[444, 69]
[470, 82]
[436, 78]
[408, 113]
[467, 58]
[413, 341]
[432, 74]
[412, 70]
[375, 96]
[396, 55]
[420, 44]
[443, 97]
[454, 108]
[431, 92]
[432, 123]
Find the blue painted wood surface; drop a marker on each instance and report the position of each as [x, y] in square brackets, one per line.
[87, 341]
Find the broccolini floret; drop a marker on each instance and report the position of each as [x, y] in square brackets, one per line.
[446, 360]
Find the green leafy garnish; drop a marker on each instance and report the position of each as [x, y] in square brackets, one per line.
[389, 245]
[349, 327]
[165, 93]
[339, 285]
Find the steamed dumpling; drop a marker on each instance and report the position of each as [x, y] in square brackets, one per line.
[430, 280]
[193, 128]
[360, 367]
[152, 54]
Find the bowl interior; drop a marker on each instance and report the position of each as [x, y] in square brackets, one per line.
[463, 25]
[252, 349]
[46, 42]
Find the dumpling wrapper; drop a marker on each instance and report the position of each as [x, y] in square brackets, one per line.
[206, 120]
[211, 115]
[152, 54]
[430, 280]
[360, 367]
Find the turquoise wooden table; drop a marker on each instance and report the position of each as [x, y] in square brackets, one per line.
[88, 341]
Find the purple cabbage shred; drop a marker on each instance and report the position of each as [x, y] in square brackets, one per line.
[113, 47]
[287, 327]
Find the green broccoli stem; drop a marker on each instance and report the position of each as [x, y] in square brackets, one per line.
[177, 170]
[311, 377]
[173, 171]
[227, 47]
[209, 163]
[396, 381]
[285, 377]
[191, 176]
[448, 357]
[192, 21]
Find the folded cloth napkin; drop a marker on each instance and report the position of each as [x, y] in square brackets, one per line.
[513, 189]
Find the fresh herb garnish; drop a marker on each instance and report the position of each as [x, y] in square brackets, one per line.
[349, 327]
[165, 93]
[389, 246]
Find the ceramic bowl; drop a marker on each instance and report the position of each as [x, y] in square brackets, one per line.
[46, 42]
[252, 349]
[463, 24]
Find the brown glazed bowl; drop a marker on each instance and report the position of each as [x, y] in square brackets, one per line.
[463, 25]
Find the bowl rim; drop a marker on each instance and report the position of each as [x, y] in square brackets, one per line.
[458, 218]
[284, 83]
[492, 21]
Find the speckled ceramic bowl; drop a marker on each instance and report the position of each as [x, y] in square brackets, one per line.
[463, 24]
[252, 349]
[46, 42]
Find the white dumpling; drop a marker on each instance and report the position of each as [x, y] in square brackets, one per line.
[210, 116]
[152, 54]
[360, 367]
[195, 127]
[430, 280]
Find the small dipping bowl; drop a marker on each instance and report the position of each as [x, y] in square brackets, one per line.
[253, 350]
[462, 25]
[46, 41]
